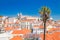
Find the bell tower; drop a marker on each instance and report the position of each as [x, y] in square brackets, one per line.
[19, 16]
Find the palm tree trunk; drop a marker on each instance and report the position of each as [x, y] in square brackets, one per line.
[44, 30]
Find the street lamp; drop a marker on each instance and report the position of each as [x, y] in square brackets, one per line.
[45, 15]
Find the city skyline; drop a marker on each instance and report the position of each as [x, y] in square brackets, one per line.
[29, 7]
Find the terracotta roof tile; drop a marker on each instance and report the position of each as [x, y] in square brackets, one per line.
[8, 28]
[17, 38]
[48, 36]
[53, 29]
[23, 31]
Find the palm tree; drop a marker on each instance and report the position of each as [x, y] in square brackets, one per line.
[45, 15]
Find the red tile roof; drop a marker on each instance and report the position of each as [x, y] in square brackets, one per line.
[23, 31]
[17, 38]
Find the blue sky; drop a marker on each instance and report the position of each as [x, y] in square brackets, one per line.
[29, 7]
